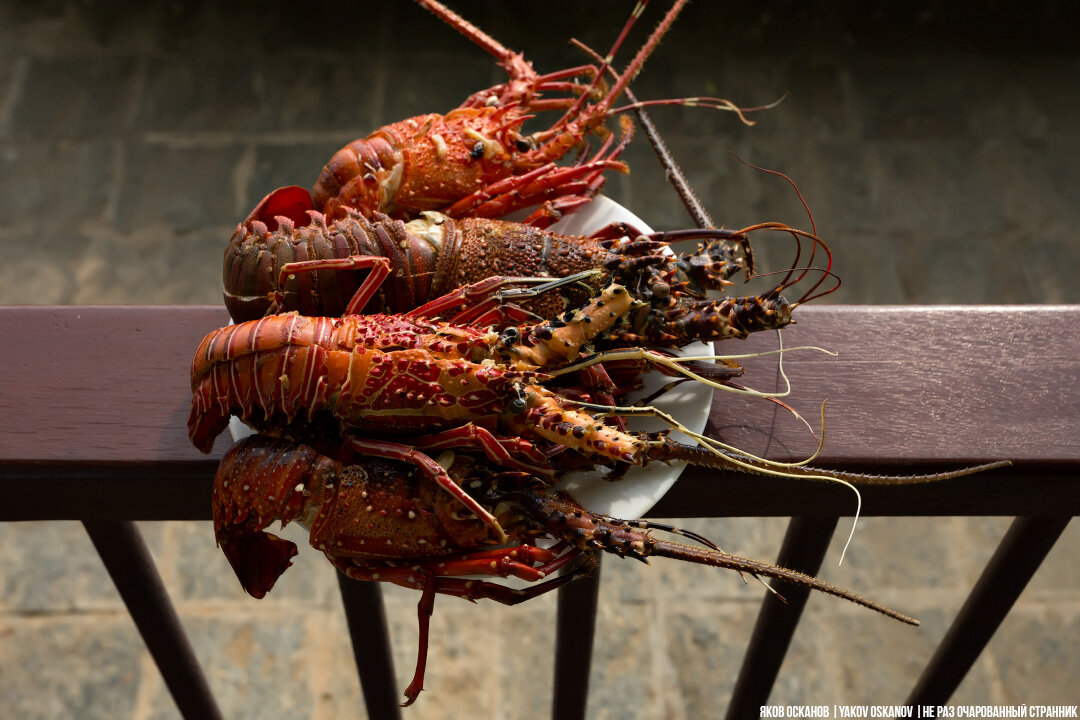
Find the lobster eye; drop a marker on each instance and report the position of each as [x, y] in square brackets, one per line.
[510, 336]
[523, 146]
[517, 402]
[477, 151]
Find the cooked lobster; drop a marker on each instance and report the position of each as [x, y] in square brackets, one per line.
[287, 256]
[475, 160]
[377, 520]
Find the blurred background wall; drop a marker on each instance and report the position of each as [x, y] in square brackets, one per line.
[935, 142]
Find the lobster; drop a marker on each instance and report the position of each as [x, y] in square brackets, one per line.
[323, 380]
[287, 256]
[376, 520]
[475, 160]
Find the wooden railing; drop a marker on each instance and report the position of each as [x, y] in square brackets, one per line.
[96, 399]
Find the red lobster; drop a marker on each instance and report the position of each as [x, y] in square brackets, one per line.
[322, 380]
[475, 160]
[287, 256]
[376, 520]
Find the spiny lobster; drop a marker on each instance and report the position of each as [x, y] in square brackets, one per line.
[320, 378]
[377, 520]
[475, 160]
[287, 256]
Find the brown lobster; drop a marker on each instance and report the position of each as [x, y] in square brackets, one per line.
[376, 520]
[475, 160]
[287, 256]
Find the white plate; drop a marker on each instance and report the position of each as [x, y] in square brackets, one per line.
[632, 496]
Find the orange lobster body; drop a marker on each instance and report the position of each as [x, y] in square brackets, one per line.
[474, 160]
[386, 373]
[430, 162]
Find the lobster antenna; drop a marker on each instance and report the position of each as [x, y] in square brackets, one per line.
[635, 65]
[466, 28]
[675, 365]
[806, 207]
[690, 200]
[767, 467]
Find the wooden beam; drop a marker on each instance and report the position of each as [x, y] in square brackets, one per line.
[98, 398]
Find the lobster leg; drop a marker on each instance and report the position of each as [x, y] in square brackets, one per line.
[430, 578]
[424, 609]
[380, 269]
[522, 191]
[473, 292]
[489, 294]
[405, 453]
[497, 449]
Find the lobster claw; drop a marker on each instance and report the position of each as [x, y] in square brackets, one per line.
[257, 558]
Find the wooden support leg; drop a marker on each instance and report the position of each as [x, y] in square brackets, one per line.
[576, 623]
[371, 646]
[1016, 559]
[132, 569]
[803, 549]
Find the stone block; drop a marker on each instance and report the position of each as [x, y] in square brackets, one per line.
[52, 187]
[180, 187]
[1034, 655]
[703, 644]
[201, 93]
[878, 660]
[36, 276]
[288, 164]
[523, 671]
[153, 265]
[71, 666]
[256, 667]
[52, 567]
[202, 573]
[894, 553]
[75, 97]
[911, 97]
[623, 680]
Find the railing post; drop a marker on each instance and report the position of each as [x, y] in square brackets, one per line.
[366, 616]
[1005, 576]
[132, 569]
[804, 547]
[576, 625]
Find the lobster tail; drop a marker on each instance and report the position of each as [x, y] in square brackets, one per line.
[260, 481]
[565, 519]
[206, 420]
[258, 559]
[285, 229]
